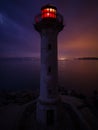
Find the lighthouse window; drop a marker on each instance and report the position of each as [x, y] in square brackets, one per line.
[49, 69]
[50, 92]
[49, 47]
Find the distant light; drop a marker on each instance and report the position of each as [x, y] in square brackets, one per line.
[62, 58]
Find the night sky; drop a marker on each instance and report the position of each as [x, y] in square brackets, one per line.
[79, 37]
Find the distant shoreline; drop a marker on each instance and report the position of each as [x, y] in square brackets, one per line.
[37, 58]
[87, 58]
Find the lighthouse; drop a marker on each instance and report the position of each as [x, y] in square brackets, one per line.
[48, 23]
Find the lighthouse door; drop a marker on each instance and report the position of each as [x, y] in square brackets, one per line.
[50, 117]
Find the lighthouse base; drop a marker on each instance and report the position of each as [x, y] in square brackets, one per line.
[47, 114]
[71, 116]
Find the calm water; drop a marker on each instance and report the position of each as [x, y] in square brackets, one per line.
[79, 75]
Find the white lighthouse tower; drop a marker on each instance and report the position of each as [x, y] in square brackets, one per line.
[49, 23]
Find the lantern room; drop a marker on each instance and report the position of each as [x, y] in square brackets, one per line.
[49, 17]
[48, 11]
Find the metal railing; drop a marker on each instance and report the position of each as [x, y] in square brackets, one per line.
[39, 18]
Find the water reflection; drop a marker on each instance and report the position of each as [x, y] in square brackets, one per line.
[79, 75]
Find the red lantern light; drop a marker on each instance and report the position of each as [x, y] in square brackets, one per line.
[48, 12]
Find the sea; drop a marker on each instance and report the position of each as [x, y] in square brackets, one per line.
[18, 74]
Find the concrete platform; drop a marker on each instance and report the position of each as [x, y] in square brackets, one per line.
[72, 116]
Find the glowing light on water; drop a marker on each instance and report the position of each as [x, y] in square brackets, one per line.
[62, 58]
